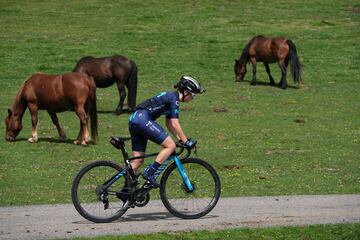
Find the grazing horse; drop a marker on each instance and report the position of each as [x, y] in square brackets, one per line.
[269, 50]
[108, 70]
[55, 93]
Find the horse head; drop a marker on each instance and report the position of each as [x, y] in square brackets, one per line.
[13, 126]
[240, 71]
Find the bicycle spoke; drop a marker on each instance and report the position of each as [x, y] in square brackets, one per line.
[185, 203]
[90, 200]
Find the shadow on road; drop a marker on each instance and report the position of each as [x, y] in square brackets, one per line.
[155, 216]
[139, 217]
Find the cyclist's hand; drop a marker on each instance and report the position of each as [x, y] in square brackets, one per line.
[190, 143]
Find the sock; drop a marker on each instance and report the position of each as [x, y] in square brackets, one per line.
[156, 165]
[151, 169]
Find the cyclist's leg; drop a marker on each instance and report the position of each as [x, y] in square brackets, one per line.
[168, 147]
[138, 139]
[136, 164]
[158, 135]
[138, 142]
[142, 127]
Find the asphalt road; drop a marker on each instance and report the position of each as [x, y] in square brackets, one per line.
[62, 221]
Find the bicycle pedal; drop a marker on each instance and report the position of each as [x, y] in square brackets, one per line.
[128, 204]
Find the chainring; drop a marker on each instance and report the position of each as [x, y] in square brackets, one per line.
[141, 198]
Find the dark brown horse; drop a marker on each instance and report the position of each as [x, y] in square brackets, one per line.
[269, 50]
[55, 93]
[108, 70]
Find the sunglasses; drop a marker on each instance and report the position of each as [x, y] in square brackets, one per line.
[190, 93]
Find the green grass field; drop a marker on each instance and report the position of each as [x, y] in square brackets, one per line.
[314, 232]
[264, 141]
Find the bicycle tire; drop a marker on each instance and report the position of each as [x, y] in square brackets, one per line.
[83, 202]
[173, 190]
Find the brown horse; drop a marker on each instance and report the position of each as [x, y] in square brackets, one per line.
[108, 70]
[55, 93]
[269, 50]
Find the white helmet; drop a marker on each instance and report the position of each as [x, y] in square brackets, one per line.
[189, 84]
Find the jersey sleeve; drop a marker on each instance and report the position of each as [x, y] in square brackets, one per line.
[174, 107]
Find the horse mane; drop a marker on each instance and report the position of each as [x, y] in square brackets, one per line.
[244, 57]
[19, 93]
[82, 61]
[18, 101]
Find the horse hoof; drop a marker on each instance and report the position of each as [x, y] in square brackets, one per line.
[117, 113]
[32, 140]
[253, 83]
[84, 143]
[284, 87]
[77, 142]
[62, 138]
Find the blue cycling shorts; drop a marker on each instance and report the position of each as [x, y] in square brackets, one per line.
[142, 127]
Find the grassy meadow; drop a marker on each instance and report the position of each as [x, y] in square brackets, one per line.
[314, 232]
[261, 139]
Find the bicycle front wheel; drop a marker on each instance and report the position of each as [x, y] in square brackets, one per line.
[90, 200]
[182, 202]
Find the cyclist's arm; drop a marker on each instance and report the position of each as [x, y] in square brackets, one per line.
[173, 124]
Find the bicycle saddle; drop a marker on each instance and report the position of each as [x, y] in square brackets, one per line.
[118, 141]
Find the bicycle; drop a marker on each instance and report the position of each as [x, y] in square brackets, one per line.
[103, 191]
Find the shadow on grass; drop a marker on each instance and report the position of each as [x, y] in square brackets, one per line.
[50, 140]
[267, 84]
[112, 112]
[125, 110]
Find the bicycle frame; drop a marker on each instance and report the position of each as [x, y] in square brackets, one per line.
[129, 169]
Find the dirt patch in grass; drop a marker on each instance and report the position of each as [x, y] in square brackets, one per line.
[355, 9]
[241, 98]
[232, 167]
[220, 109]
[186, 108]
[300, 120]
[282, 151]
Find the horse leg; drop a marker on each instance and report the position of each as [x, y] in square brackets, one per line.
[78, 139]
[122, 94]
[55, 121]
[253, 61]
[272, 82]
[283, 67]
[84, 136]
[34, 120]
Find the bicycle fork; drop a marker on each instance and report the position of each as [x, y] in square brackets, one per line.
[179, 167]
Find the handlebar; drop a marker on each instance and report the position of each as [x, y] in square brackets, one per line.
[183, 147]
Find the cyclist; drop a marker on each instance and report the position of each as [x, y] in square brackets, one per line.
[142, 125]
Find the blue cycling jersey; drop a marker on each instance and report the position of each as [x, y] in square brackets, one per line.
[166, 103]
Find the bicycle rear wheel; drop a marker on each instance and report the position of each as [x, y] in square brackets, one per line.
[90, 200]
[182, 202]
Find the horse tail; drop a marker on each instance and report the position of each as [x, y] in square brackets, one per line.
[91, 107]
[295, 64]
[131, 83]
